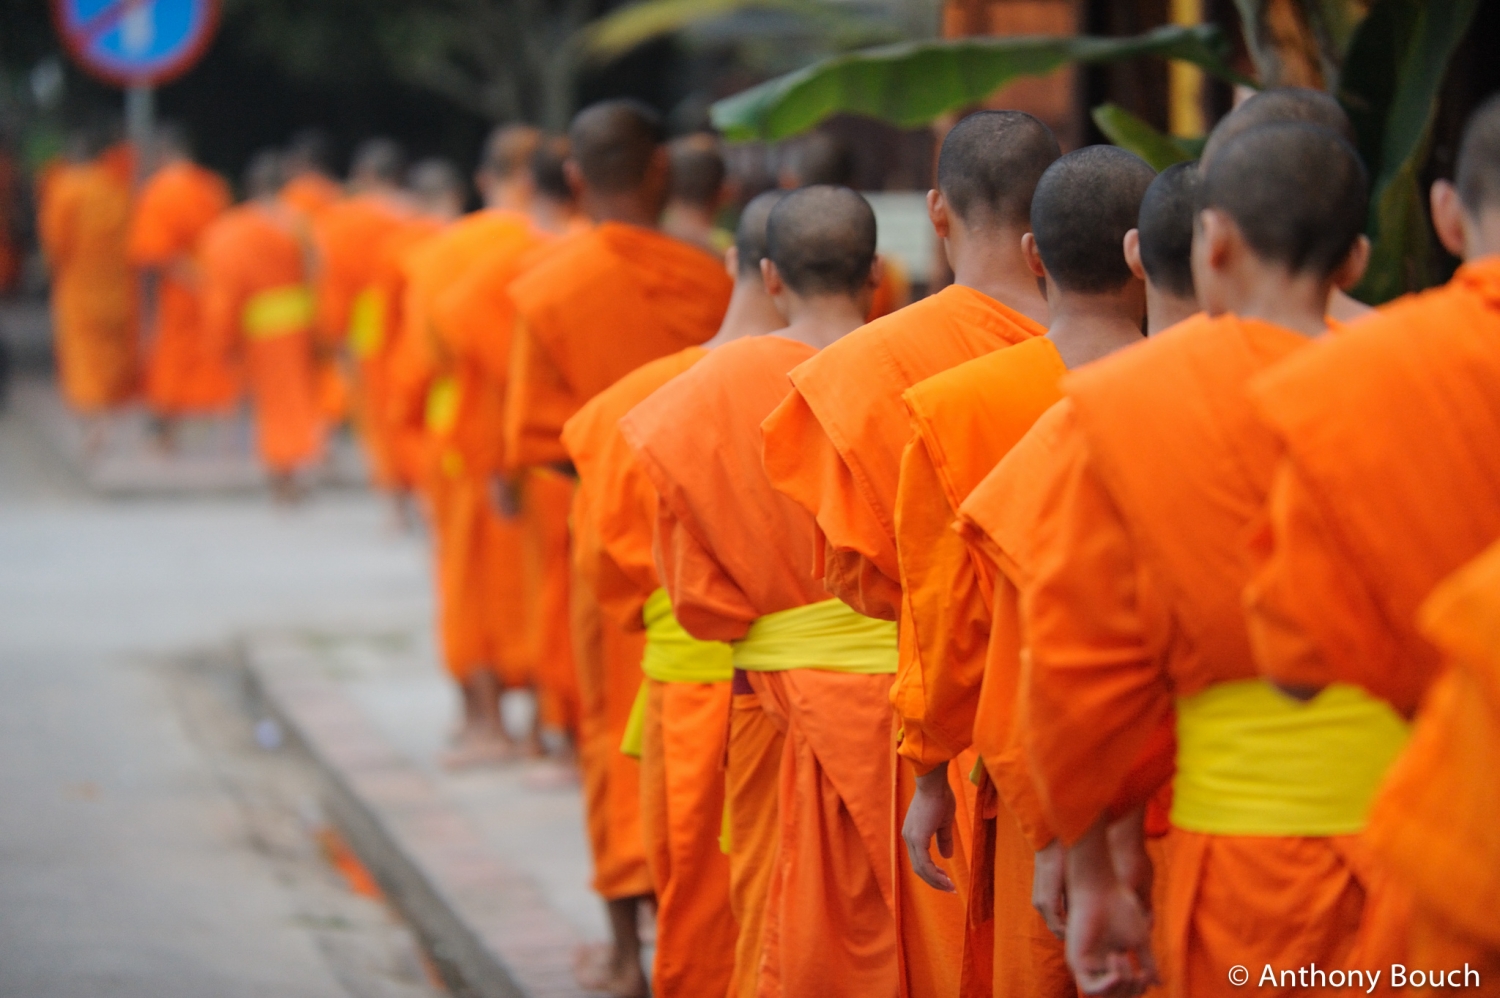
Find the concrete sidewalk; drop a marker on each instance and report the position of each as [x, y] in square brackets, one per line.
[490, 870]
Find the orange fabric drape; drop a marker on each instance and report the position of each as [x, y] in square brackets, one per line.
[84, 223]
[187, 371]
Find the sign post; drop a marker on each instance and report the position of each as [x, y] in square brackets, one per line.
[136, 45]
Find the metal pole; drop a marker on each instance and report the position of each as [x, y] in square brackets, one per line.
[140, 124]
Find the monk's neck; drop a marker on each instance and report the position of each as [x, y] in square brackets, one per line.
[823, 321]
[1295, 302]
[549, 215]
[626, 209]
[751, 313]
[1163, 310]
[993, 265]
[1086, 330]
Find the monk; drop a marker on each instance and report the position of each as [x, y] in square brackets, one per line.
[733, 553]
[310, 186]
[1085, 208]
[186, 372]
[834, 444]
[600, 305]
[428, 382]
[1433, 823]
[1333, 501]
[682, 708]
[83, 228]
[1159, 251]
[1286, 104]
[257, 302]
[1157, 470]
[347, 237]
[697, 193]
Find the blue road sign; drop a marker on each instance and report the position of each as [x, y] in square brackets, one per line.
[136, 41]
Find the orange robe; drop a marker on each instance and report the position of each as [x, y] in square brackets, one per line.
[441, 392]
[679, 781]
[835, 445]
[348, 237]
[966, 419]
[1157, 470]
[732, 549]
[309, 194]
[84, 222]
[1369, 533]
[256, 298]
[606, 301]
[1434, 822]
[186, 371]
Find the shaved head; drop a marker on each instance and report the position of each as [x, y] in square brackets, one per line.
[265, 174]
[1478, 178]
[434, 178]
[1166, 229]
[1297, 192]
[820, 158]
[1281, 105]
[822, 240]
[990, 164]
[508, 150]
[1083, 206]
[547, 173]
[378, 159]
[614, 142]
[697, 169]
[309, 149]
[750, 234]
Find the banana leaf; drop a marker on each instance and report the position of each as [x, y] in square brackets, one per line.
[911, 84]
[1390, 84]
[1129, 132]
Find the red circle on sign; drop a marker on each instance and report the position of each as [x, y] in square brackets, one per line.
[165, 72]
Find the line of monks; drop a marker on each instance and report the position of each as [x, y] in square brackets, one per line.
[1123, 618]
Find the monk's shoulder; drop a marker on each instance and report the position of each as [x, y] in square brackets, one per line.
[654, 254]
[989, 385]
[1008, 501]
[570, 263]
[597, 417]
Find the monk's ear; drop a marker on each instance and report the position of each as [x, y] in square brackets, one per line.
[1218, 236]
[574, 176]
[771, 278]
[1033, 255]
[732, 261]
[1132, 250]
[937, 213]
[1448, 216]
[1352, 270]
[877, 272]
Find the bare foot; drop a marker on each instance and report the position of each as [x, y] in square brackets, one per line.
[598, 968]
[479, 748]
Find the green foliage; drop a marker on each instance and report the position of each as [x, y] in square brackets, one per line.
[910, 84]
[1390, 84]
[1129, 132]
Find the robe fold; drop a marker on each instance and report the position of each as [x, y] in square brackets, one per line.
[731, 549]
[1434, 824]
[256, 300]
[1157, 472]
[187, 372]
[603, 303]
[83, 226]
[966, 419]
[1337, 585]
[835, 446]
[678, 786]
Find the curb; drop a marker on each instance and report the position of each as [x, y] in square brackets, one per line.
[485, 925]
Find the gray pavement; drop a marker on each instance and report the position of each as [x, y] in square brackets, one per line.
[147, 847]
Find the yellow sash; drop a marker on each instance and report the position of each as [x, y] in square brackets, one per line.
[828, 636]
[1253, 761]
[672, 656]
[367, 323]
[278, 312]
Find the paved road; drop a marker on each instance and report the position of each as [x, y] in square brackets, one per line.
[147, 847]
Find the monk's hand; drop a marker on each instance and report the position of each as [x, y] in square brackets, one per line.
[506, 493]
[1127, 849]
[1108, 939]
[1048, 895]
[931, 813]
